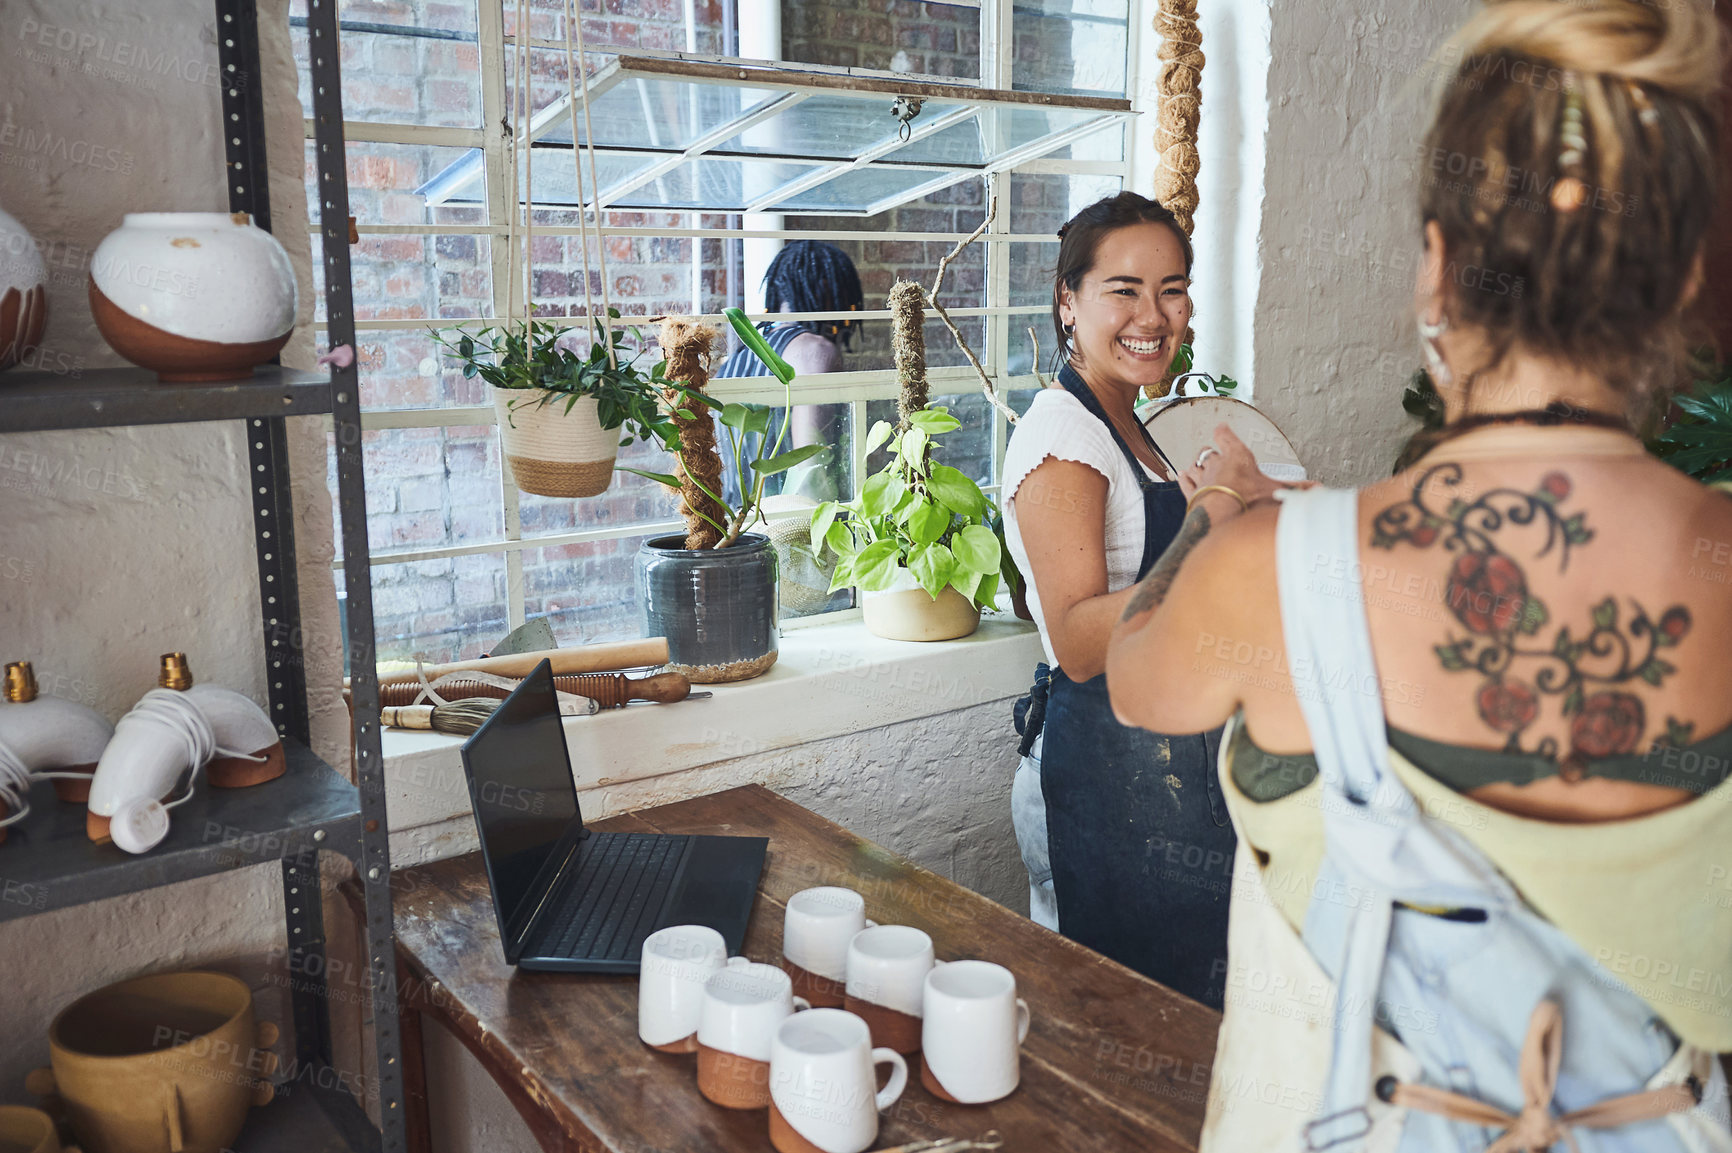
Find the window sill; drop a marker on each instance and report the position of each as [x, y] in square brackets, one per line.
[830, 680]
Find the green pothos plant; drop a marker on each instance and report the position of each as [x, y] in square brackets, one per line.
[914, 514]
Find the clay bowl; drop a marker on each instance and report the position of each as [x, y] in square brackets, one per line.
[168, 1063]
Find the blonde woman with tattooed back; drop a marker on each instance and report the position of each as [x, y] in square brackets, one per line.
[1480, 714]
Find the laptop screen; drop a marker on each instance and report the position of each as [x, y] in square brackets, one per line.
[521, 789]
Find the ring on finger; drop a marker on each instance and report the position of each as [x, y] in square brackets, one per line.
[1204, 455]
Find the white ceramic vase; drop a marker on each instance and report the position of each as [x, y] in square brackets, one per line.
[23, 293]
[197, 296]
[552, 452]
[904, 612]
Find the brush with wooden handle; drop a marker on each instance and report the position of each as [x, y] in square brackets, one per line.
[609, 690]
[459, 717]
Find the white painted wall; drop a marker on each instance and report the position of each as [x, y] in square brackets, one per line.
[1333, 340]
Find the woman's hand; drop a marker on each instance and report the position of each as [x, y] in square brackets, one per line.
[1230, 463]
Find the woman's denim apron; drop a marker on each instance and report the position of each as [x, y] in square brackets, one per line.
[1141, 845]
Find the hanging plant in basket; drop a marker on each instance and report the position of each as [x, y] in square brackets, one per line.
[560, 412]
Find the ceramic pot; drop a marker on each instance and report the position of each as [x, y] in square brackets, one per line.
[199, 297]
[904, 612]
[27, 1130]
[552, 451]
[23, 293]
[168, 1063]
[717, 607]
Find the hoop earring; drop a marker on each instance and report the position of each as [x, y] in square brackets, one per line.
[1434, 364]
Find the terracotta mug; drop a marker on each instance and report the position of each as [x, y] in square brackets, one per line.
[887, 967]
[743, 1006]
[972, 1033]
[824, 1095]
[168, 1063]
[816, 931]
[670, 990]
[27, 1130]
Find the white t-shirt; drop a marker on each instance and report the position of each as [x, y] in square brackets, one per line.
[1057, 425]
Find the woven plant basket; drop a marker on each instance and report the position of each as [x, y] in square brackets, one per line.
[552, 452]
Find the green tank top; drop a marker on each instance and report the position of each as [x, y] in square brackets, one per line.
[1697, 767]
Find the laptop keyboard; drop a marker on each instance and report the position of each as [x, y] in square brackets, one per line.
[610, 901]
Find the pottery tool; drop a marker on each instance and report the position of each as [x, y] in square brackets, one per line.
[460, 717]
[608, 690]
[599, 658]
[534, 636]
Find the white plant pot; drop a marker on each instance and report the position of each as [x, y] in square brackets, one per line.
[23, 293]
[552, 452]
[197, 296]
[904, 612]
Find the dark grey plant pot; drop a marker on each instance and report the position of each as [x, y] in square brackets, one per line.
[717, 607]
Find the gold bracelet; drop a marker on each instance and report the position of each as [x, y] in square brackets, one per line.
[1243, 504]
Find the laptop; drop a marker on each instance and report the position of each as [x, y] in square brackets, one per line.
[575, 901]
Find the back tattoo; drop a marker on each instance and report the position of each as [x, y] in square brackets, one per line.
[1508, 626]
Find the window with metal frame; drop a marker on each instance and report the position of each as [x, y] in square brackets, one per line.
[460, 556]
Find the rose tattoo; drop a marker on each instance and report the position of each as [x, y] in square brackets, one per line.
[1488, 594]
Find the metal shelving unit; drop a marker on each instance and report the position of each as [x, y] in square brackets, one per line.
[312, 808]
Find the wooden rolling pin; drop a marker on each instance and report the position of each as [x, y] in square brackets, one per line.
[609, 690]
[602, 658]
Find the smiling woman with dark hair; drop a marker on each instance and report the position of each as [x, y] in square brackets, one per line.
[1138, 836]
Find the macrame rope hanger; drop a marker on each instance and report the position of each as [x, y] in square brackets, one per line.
[1179, 102]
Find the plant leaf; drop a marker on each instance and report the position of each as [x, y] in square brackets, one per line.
[840, 540]
[934, 421]
[881, 432]
[913, 446]
[976, 549]
[782, 462]
[927, 521]
[957, 493]
[754, 340]
[875, 565]
[735, 416]
[672, 482]
[932, 567]
[880, 493]
[758, 419]
[822, 518]
[987, 591]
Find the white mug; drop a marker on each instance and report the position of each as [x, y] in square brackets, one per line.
[743, 1005]
[815, 933]
[670, 990]
[887, 967]
[974, 1023]
[824, 1084]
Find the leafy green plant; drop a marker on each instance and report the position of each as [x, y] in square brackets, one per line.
[916, 514]
[1698, 440]
[527, 355]
[738, 420]
[1183, 371]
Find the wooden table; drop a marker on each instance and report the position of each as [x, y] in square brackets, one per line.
[1113, 1061]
